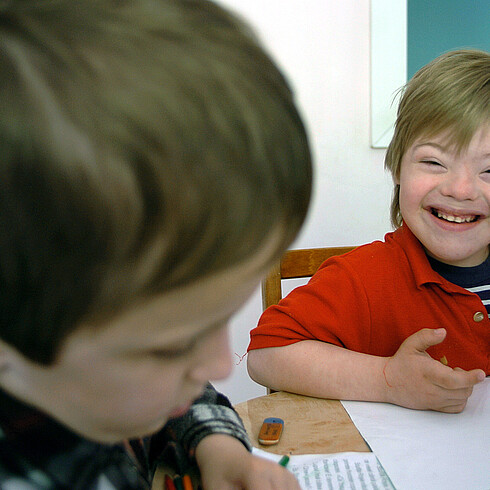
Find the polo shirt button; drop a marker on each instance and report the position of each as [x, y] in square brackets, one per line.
[478, 316]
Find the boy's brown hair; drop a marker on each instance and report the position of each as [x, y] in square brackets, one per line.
[450, 95]
[143, 145]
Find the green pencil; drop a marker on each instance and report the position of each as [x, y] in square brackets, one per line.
[284, 460]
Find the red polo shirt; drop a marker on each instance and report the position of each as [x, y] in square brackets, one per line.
[371, 299]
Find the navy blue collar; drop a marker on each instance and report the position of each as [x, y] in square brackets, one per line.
[465, 277]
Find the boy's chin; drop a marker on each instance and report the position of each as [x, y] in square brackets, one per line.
[117, 435]
[179, 411]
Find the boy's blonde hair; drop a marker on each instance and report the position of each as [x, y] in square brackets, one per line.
[144, 144]
[449, 95]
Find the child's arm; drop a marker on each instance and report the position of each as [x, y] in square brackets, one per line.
[212, 434]
[411, 378]
[225, 463]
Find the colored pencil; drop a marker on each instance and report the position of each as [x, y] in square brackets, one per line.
[284, 460]
[178, 483]
[186, 480]
[169, 483]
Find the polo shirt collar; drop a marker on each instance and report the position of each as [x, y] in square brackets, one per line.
[419, 263]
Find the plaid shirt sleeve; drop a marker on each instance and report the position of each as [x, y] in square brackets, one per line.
[212, 413]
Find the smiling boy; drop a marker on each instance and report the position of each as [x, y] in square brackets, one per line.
[146, 147]
[373, 324]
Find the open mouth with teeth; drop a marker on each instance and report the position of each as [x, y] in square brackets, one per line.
[454, 219]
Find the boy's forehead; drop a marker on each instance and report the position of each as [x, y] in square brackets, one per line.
[453, 139]
[201, 303]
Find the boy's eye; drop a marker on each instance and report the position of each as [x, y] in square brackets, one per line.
[187, 346]
[432, 165]
[173, 352]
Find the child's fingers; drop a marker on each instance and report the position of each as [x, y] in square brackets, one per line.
[457, 379]
[474, 376]
[450, 400]
[478, 373]
[453, 407]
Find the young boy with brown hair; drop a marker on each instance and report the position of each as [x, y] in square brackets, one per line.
[146, 147]
[374, 324]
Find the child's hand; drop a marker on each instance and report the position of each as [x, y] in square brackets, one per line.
[415, 380]
[225, 464]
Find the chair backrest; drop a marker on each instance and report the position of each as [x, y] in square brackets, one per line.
[302, 263]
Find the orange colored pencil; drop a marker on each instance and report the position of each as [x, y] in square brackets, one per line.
[186, 480]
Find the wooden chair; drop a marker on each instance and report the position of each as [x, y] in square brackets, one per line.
[302, 263]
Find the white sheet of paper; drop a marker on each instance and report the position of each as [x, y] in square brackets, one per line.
[341, 471]
[423, 450]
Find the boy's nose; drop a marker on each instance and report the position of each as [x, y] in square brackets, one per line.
[461, 185]
[214, 358]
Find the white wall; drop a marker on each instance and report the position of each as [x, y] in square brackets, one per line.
[323, 46]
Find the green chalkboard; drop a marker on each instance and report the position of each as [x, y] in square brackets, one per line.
[437, 26]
